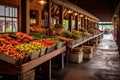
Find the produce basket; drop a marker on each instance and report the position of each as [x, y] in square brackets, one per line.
[42, 52]
[60, 45]
[51, 48]
[35, 55]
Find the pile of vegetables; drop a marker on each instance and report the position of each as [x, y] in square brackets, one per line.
[71, 35]
[56, 40]
[38, 35]
[93, 31]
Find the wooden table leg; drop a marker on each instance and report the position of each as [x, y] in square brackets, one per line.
[61, 61]
[47, 70]
[30, 75]
[68, 55]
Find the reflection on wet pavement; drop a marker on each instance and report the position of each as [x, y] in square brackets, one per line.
[105, 64]
[108, 43]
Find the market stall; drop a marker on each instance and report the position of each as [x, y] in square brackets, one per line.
[29, 42]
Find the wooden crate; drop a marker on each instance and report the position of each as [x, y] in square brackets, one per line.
[79, 40]
[70, 43]
[42, 52]
[35, 55]
[51, 48]
[88, 52]
[9, 59]
[60, 45]
[76, 57]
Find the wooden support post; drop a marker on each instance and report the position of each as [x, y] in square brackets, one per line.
[92, 24]
[76, 23]
[61, 15]
[49, 12]
[82, 22]
[25, 12]
[70, 22]
[47, 70]
[80, 25]
[85, 23]
[88, 24]
[68, 54]
[118, 30]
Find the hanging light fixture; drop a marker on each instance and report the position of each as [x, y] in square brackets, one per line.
[42, 2]
[86, 18]
[76, 14]
[115, 15]
[81, 15]
[69, 11]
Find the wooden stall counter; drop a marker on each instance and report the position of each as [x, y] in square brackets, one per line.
[21, 71]
[70, 47]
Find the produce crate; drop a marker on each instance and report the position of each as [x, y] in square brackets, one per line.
[35, 55]
[88, 52]
[71, 42]
[23, 60]
[11, 60]
[51, 48]
[76, 55]
[42, 52]
[60, 45]
[86, 37]
[79, 40]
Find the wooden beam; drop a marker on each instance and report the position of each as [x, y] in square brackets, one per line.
[69, 5]
[66, 14]
[64, 10]
[55, 9]
[52, 9]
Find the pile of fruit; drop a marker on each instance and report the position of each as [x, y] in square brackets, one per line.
[8, 49]
[38, 29]
[23, 36]
[56, 40]
[46, 42]
[31, 47]
[8, 40]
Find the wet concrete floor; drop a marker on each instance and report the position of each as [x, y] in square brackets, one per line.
[105, 64]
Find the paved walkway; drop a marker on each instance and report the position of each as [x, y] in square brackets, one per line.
[105, 65]
[108, 43]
